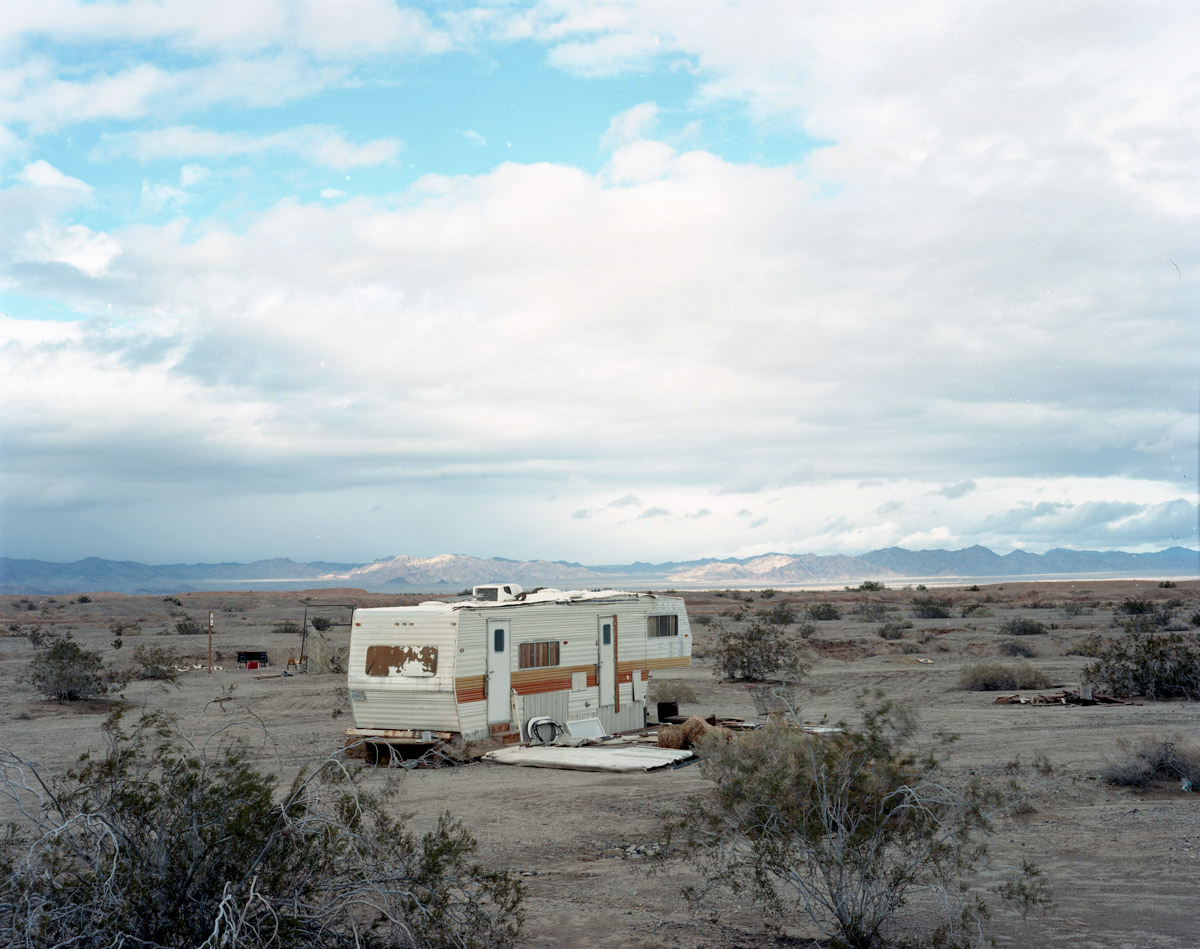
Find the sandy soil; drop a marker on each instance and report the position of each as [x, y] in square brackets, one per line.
[1123, 866]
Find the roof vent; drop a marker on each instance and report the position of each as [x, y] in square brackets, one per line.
[498, 592]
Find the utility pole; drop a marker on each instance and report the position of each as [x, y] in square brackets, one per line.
[210, 631]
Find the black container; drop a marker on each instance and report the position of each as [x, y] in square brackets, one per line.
[667, 710]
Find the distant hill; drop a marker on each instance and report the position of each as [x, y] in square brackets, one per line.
[447, 571]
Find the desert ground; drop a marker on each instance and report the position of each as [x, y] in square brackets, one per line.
[1123, 866]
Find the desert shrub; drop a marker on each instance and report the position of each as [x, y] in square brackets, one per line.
[1090, 646]
[156, 662]
[1015, 649]
[321, 623]
[1158, 666]
[671, 690]
[173, 599]
[188, 627]
[157, 844]
[767, 593]
[856, 830]
[1021, 627]
[891, 631]
[997, 676]
[805, 630]
[977, 610]
[287, 627]
[871, 586]
[1071, 608]
[121, 627]
[703, 619]
[783, 614]
[870, 612]
[761, 651]
[1194, 619]
[1138, 623]
[1134, 606]
[84, 599]
[67, 672]
[1153, 758]
[931, 607]
[823, 611]
[1166, 585]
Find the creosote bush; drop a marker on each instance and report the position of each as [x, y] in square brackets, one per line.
[156, 662]
[761, 651]
[287, 628]
[870, 612]
[931, 607]
[1158, 666]
[188, 627]
[321, 623]
[823, 611]
[164, 843]
[67, 672]
[892, 631]
[1015, 650]
[860, 831]
[783, 614]
[997, 676]
[1021, 627]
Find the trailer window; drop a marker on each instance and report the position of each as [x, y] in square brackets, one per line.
[662, 626]
[402, 661]
[538, 655]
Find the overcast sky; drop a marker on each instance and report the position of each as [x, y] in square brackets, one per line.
[596, 280]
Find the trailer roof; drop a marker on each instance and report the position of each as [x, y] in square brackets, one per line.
[540, 597]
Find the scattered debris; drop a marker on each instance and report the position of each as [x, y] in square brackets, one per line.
[1065, 697]
[623, 759]
[632, 851]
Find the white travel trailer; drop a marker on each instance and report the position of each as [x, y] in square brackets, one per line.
[488, 664]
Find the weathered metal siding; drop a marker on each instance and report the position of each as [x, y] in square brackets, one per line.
[472, 674]
[455, 699]
[404, 701]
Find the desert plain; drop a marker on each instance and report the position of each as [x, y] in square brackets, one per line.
[1123, 865]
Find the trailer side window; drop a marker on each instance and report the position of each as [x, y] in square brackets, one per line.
[538, 655]
[662, 626]
[402, 661]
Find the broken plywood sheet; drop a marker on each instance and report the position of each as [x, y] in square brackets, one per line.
[619, 760]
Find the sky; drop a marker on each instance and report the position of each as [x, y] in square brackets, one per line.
[597, 280]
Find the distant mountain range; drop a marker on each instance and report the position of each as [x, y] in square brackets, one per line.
[438, 574]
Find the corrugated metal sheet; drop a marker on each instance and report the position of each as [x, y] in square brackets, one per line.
[618, 760]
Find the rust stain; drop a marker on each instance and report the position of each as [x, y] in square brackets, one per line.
[403, 660]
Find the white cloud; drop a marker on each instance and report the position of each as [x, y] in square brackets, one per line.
[72, 244]
[474, 137]
[190, 175]
[321, 145]
[156, 196]
[954, 321]
[41, 174]
[631, 124]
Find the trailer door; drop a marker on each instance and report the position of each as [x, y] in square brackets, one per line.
[498, 672]
[606, 672]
